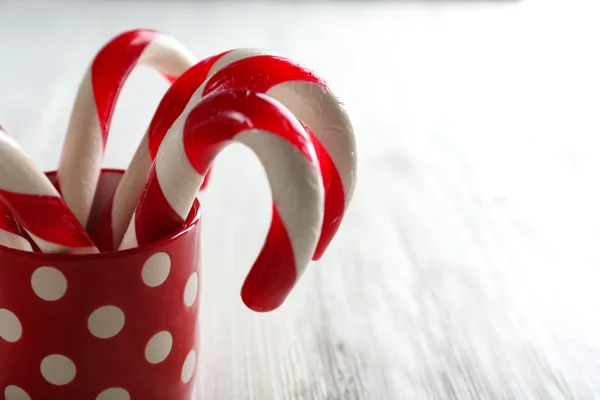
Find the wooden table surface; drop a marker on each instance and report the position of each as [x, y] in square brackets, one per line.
[468, 264]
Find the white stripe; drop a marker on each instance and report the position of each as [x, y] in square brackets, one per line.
[178, 179]
[318, 108]
[130, 190]
[130, 238]
[167, 55]
[82, 153]
[296, 187]
[14, 241]
[19, 173]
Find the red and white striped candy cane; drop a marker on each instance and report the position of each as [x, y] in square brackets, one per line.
[310, 99]
[292, 167]
[87, 133]
[34, 201]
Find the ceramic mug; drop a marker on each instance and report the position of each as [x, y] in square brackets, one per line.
[112, 326]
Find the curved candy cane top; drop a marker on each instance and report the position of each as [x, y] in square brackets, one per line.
[34, 201]
[87, 133]
[290, 161]
[309, 98]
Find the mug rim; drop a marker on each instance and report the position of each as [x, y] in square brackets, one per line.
[191, 222]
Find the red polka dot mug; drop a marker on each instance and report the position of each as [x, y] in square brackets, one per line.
[110, 326]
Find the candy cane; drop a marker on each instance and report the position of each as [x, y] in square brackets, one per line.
[290, 161]
[36, 204]
[305, 94]
[87, 133]
[309, 98]
[182, 95]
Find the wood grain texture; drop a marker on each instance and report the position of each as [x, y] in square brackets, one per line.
[467, 267]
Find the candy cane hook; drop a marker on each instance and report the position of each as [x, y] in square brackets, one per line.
[291, 164]
[310, 99]
[87, 133]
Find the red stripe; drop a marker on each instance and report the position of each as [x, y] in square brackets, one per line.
[9, 223]
[154, 217]
[259, 74]
[218, 118]
[46, 217]
[7, 220]
[334, 198]
[175, 99]
[273, 274]
[111, 67]
[102, 234]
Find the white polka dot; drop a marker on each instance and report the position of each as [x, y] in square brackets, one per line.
[113, 394]
[105, 322]
[156, 269]
[58, 369]
[159, 347]
[10, 326]
[191, 290]
[15, 393]
[189, 365]
[49, 283]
